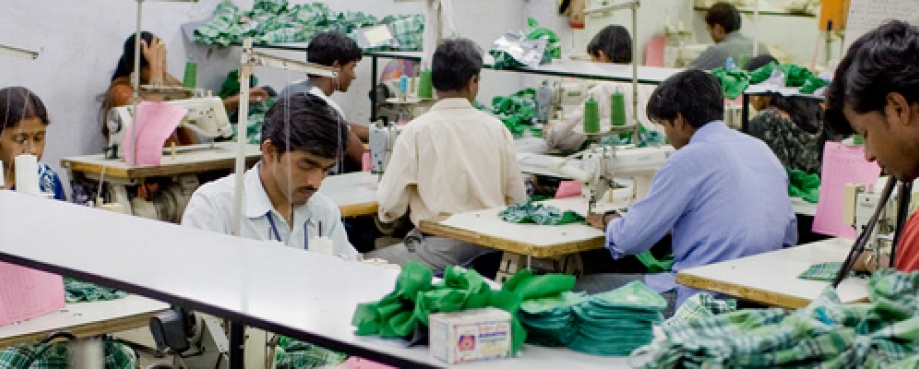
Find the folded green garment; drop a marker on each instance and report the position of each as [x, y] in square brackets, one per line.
[531, 212]
[79, 291]
[822, 272]
[804, 185]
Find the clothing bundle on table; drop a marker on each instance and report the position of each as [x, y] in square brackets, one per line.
[735, 81]
[533, 212]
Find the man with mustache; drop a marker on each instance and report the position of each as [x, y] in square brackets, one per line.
[300, 144]
[875, 93]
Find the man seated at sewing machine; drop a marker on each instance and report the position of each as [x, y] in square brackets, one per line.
[723, 23]
[335, 50]
[611, 45]
[301, 140]
[874, 94]
[722, 194]
[452, 159]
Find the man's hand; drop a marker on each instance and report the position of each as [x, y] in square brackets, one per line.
[600, 221]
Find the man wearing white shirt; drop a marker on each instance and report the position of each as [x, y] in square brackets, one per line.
[338, 51]
[451, 159]
[301, 139]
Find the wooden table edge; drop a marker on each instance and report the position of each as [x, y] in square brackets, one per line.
[91, 329]
[435, 227]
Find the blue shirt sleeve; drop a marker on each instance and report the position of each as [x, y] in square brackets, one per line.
[649, 220]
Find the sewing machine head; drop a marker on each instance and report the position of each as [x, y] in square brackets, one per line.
[206, 117]
[860, 204]
[382, 141]
[602, 164]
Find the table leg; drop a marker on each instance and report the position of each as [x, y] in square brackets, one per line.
[373, 88]
[237, 343]
[87, 353]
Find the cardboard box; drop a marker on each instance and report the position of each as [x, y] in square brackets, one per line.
[471, 335]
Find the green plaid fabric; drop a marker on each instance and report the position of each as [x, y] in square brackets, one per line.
[55, 356]
[407, 29]
[291, 354]
[826, 334]
[701, 306]
[822, 272]
[528, 211]
[79, 291]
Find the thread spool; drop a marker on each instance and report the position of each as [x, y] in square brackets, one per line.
[27, 174]
[191, 75]
[617, 109]
[403, 87]
[591, 116]
[425, 87]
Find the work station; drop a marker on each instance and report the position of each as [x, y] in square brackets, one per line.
[442, 183]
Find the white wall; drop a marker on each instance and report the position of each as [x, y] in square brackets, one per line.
[80, 42]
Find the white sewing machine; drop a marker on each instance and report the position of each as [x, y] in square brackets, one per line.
[206, 117]
[568, 96]
[861, 202]
[382, 141]
[600, 165]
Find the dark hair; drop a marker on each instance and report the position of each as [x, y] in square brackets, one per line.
[725, 15]
[882, 61]
[615, 42]
[330, 47]
[759, 61]
[126, 63]
[18, 103]
[455, 61]
[693, 94]
[306, 123]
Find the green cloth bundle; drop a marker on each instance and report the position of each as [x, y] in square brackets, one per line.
[528, 211]
[700, 306]
[407, 308]
[517, 112]
[804, 185]
[294, 354]
[735, 82]
[883, 333]
[617, 322]
[257, 110]
[822, 272]
[553, 42]
[79, 291]
[56, 355]
[550, 321]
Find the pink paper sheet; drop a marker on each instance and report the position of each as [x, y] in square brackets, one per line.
[841, 164]
[26, 293]
[158, 121]
[568, 189]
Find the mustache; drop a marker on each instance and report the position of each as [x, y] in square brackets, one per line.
[308, 188]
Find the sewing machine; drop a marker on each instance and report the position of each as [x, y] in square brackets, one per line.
[600, 165]
[567, 96]
[206, 117]
[382, 141]
[860, 204]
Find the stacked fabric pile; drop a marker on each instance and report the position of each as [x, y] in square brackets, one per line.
[517, 112]
[272, 21]
[551, 321]
[617, 322]
[827, 334]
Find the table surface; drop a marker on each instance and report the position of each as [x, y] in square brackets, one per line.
[198, 158]
[772, 278]
[300, 294]
[85, 319]
[485, 228]
[354, 193]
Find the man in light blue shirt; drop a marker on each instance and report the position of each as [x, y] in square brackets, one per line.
[722, 194]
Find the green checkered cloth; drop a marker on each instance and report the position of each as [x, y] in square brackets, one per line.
[294, 354]
[407, 29]
[701, 306]
[79, 291]
[822, 272]
[826, 334]
[528, 211]
[55, 355]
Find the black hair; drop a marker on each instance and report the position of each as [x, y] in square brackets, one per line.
[330, 47]
[724, 15]
[882, 61]
[455, 61]
[615, 42]
[693, 94]
[126, 63]
[759, 61]
[18, 103]
[305, 122]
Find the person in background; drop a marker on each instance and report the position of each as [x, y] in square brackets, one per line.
[300, 144]
[452, 159]
[722, 194]
[791, 126]
[153, 71]
[611, 45]
[337, 50]
[723, 23]
[875, 93]
[23, 127]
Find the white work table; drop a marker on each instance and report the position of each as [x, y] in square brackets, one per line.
[85, 319]
[485, 228]
[279, 289]
[772, 278]
[354, 193]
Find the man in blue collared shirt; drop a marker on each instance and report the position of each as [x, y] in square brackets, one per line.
[722, 194]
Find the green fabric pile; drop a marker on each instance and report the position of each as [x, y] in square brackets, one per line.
[528, 211]
[735, 82]
[822, 272]
[517, 112]
[55, 355]
[550, 321]
[883, 333]
[257, 110]
[294, 354]
[553, 42]
[700, 306]
[79, 291]
[804, 185]
[274, 21]
[617, 322]
[406, 309]
[646, 138]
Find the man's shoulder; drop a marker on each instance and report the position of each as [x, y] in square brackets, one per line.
[298, 87]
[322, 206]
[220, 189]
